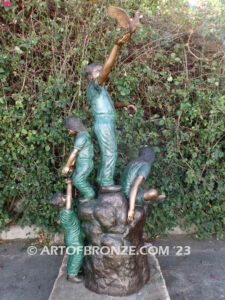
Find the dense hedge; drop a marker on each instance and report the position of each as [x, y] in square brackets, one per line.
[172, 70]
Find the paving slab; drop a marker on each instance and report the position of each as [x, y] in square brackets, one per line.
[23, 276]
[197, 276]
[154, 289]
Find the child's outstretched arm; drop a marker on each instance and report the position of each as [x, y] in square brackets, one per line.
[69, 193]
[133, 195]
[108, 66]
[111, 60]
[70, 162]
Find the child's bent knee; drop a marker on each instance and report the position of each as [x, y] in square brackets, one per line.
[77, 181]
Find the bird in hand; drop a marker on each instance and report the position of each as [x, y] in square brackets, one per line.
[123, 19]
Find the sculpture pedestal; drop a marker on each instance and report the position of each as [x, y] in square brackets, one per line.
[154, 289]
[117, 269]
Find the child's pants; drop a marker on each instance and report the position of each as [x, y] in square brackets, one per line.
[104, 129]
[80, 175]
[73, 240]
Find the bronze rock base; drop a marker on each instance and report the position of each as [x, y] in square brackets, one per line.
[104, 222]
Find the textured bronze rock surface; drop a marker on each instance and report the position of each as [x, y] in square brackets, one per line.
[104, 222]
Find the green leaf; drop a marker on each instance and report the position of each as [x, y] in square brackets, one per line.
[170, 78]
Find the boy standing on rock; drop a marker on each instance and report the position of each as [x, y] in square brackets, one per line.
[81, 157]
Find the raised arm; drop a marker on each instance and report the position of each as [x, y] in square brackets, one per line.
[133, 195]
[69, 193]
[111, 60]
[70, 162]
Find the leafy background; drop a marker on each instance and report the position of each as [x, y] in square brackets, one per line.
[172, 71]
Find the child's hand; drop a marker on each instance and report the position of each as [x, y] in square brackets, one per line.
[123, 40]
[65, 170]
[71, 169]
[130, 216]
[68, 180]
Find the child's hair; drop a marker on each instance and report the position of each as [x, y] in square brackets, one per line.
[147, 154]
[92, 67]
[74, 123]
[57, 200]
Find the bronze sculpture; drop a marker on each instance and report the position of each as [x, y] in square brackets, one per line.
[102, 105]
[123, 19]
[108, 220]
[73, 238]
[82, 154]
[134, 174]
[104, 222]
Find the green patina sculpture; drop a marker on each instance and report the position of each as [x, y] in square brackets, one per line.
[102, 105]
[81, 157]
[104, 220]
[104, 128]
[134, 174]
[73, 236]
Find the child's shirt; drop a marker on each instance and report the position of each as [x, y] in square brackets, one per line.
[101, 102]
[83, 143]
[133, 169]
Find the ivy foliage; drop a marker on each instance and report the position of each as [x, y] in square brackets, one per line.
[172, 71]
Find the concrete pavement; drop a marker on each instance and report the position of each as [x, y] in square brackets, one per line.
[198, 276]
[23, 276]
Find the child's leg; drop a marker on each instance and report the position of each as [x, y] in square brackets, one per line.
[105, 132]
[73, 240]
[75, 260]
[155, 199]
[80, 178]
[140, 197]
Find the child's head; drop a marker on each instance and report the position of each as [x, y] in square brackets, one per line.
[147, 154]
[58, 200]
[93, 71]
[74, 125]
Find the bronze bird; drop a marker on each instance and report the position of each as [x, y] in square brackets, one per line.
[123, 19]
